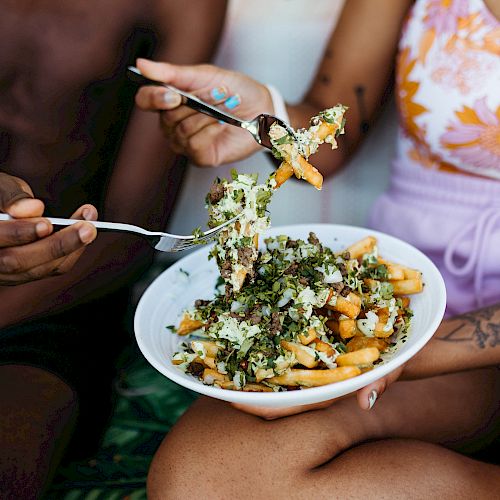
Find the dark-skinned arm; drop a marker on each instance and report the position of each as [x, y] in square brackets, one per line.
[138, 190]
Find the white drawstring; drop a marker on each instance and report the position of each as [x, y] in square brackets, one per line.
[483, 228]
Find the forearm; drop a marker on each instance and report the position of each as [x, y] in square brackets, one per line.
[466, 342]
[111, 262]
[356, 70]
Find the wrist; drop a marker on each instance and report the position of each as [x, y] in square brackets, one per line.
[279, 105]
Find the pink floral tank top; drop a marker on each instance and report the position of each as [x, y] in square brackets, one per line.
[448, 88]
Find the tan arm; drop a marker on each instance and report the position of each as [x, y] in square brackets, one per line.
[355, 70]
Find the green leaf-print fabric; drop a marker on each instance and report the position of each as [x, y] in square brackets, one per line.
[147, 406]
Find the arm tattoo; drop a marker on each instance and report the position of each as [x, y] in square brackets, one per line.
[360, 98]
[481, 328]
[325, 79]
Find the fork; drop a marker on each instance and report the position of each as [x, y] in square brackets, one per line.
[258, 127]
[164, 242]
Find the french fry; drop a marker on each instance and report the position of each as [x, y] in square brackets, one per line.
[412, 274]
[361, 357]
[405, 301]
[362, 342]
[321, 346]
[395, 271]
[246, 388]
[188, 325]
[211, 348]
[350, 306]
[358, 249]
[240, 278]
[283, 173]
[407, 287]
[333, 325]
[347, 328]
[383, 317]
[380, 332]
[302, 354]
[257, 388]
[304, 170]
[371, 283]
[315, 378]
[308, 337]
[211, 376]
[262, 373]
[407, 272]
[206, 361]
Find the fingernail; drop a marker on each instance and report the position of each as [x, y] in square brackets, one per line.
[170, 98]
[87, 213]
[372, 398]
[86, 234]
[218, 93]
[233, 101]
[42, 229]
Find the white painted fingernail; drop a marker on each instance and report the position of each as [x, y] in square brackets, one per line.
[170, 98]
[372, 398]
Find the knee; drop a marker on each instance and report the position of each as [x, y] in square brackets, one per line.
[211, 451]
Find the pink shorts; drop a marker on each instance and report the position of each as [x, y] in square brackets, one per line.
[455, 220]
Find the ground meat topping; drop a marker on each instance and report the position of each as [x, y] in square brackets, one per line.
[201, 303]
[292, 269]
[216, 192]
[245, 256]
[313, 239]
[225, 270]
[275, 326]
[342, 269]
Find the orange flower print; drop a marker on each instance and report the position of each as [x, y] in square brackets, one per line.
[475, 137]
[408, 108]
[443, 16]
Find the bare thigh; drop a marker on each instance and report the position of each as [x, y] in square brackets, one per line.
[218, 452]
[37, 414]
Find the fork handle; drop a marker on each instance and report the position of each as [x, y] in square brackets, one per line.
[103, 226]
[188, 99]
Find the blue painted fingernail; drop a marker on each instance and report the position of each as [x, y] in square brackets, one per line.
[221, 122]
[218, 93]
[233, 101]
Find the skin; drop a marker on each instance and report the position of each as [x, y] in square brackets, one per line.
[413, 435]
[370, 30]
[49, 106]
[400, 449]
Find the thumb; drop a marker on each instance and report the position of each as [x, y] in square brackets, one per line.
[367, 396]
[17, 199]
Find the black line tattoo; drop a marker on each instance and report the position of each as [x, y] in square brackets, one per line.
[364, 126]
[325, 79]
[478, 327]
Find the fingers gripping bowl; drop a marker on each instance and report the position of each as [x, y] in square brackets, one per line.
[194, 277]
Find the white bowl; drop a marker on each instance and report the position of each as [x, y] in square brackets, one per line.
[193, 277]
